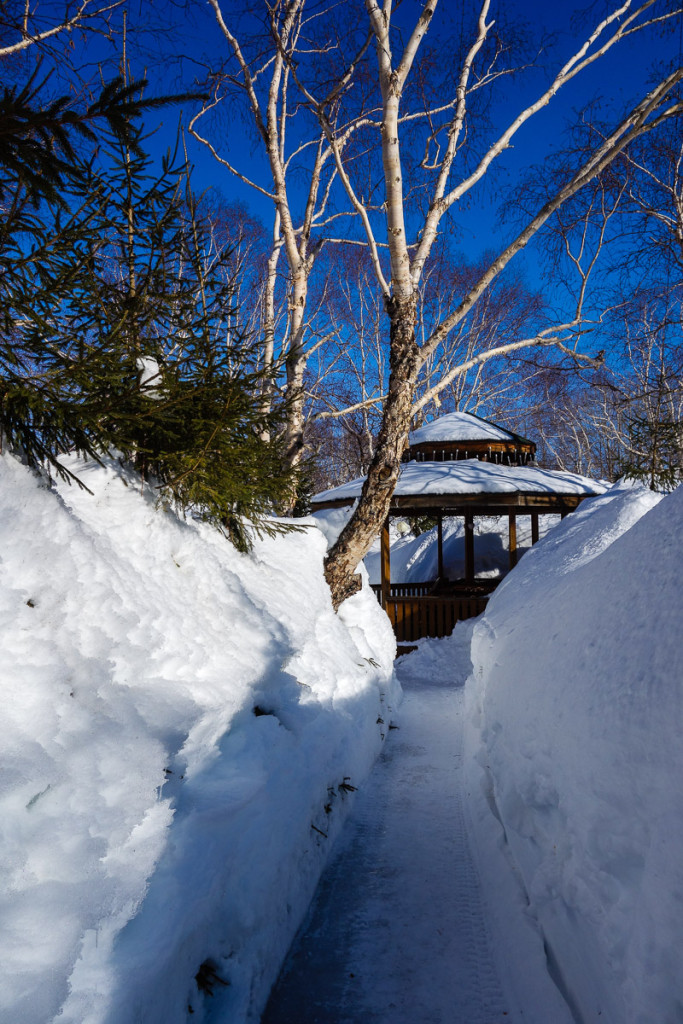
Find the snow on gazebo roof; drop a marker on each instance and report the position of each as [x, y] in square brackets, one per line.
[470, 476]
[460, 426]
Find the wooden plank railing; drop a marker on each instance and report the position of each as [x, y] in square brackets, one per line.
[405, 589]
[415, 610]
[415, 617]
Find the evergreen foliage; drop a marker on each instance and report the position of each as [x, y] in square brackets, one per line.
[106, 274]
[656, 452]
[422, 524]
[38, 140]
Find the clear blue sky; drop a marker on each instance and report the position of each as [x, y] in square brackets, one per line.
[619, 78]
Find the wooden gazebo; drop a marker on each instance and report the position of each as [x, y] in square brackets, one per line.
[461, 466]
[460, 435]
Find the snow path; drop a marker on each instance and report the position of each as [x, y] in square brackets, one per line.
[397, 932]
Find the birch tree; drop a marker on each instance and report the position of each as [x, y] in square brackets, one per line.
[626, 419]
[265, 82]
[346, 382]
[653, 180]
[25, 26]
[341, 98]
[399, 277]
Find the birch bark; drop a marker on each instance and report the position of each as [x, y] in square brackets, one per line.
[406, 357]
[302, 65]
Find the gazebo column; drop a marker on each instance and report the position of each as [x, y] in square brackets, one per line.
[439, 539]
[534, 527]
[385, 564]
[512, 533]
[469, 547]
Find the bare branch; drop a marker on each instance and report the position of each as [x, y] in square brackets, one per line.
[583, 58]
[551, 337]
[79, 19]
[438, 206]
[216, 155]
[329, 414]
[632, 127]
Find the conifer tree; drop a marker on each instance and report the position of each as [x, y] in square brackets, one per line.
[116, 334]
[51, 225]
[655, 452]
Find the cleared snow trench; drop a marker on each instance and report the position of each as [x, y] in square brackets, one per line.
[398, 932]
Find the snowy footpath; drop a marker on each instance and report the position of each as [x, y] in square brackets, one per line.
[516, 853]
[399, 931]
[186, 730]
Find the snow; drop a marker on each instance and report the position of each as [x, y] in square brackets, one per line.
[576, 703]
[414, 559]
[471, 476]
[150, 376]
[459, 426]
[175, 716]
[181, 722]
[399, 931]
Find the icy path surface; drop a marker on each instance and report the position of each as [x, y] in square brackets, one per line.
[397, 933]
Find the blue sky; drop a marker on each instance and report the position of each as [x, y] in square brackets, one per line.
[618, 79]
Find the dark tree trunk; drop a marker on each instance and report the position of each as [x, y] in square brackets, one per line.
[366, 522]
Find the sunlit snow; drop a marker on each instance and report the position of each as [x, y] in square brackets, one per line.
[174, 716]
[186, 729]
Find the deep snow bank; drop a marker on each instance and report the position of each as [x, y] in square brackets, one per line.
[177, 720]
[577, 698]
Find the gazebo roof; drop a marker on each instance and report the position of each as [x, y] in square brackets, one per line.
[470, 481]
[461, 426]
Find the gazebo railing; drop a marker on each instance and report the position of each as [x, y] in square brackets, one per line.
[404, 589]
[415, 617]
[415, 612]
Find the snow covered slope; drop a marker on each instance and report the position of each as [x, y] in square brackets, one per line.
[178, 721]
[577, 699]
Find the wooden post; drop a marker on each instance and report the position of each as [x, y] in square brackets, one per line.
[469, 547]
[512, 522]
[534, 527]
[385, 562]
[439, 535]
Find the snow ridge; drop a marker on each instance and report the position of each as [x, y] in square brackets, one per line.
[576, 701]
[174, 715]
